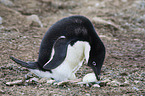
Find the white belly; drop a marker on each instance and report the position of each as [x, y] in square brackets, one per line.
[73, 61]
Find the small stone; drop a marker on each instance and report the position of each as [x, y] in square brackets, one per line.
[28, 76]
[81, 83]
[62, 83]
[2, 91]
[87, 94]
[136, 81]
[143, 74]
[106, 80]
[97, 4]
[102, 84]
[2, 27]
[135, 88]
[114, 83]
[34, 79]
[34, 18]
[43, 80]
[126, 83]
[124, 0]
[99, 20]
[1, 20]
[17, 82]
[35, 24]
[7, 2]
[87, 85]
[50, 81]
[96, 85]
[68, 89]
[55, 83]
[123, 74]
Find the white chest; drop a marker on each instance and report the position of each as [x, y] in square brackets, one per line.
[73, 61]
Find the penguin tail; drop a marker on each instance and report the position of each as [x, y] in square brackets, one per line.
[30, 65]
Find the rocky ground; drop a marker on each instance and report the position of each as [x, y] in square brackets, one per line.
[119, 23]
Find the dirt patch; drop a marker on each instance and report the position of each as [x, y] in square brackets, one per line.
[125, 46]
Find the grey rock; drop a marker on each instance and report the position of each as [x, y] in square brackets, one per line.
[63, 83]
[50, 81]
[143, 74]
[135, 88]
[106, 80]
[1, 20]
[114, 83]
[34, 19]
[43, 80]
[34, 79]
[7, 2]
[17, 82]
[96, 86]
[87, 94]
[2, 91]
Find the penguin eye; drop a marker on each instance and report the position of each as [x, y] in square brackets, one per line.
[94, 63]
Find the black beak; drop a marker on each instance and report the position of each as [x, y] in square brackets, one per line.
[97, 72]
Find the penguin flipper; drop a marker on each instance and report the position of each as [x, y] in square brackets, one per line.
[60, 48]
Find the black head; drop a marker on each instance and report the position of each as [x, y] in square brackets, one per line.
[97, 56]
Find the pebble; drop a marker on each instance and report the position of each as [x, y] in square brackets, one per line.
[87, 94]
[114, 83]
[135, 88]
[123, 74]
[99, 20]
[143, 74]
[7, 2]
[35, 19]
[124, 0]
[1, 20]
[106, 80]
[28, 76]
[96, 86]
[97, 4]
[141, 19]
[55, 83]
[17, 82]
[103, 84]
[103, 36]
[50, 81]
[42, 80]
[81, 83]
[63, 83]
[136, 81]
[33, 80]
[2, 91]
[124, 84]
[77, 81]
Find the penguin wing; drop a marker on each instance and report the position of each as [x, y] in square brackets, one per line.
[60, 51]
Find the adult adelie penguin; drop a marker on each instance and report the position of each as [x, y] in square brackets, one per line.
[64, 47]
